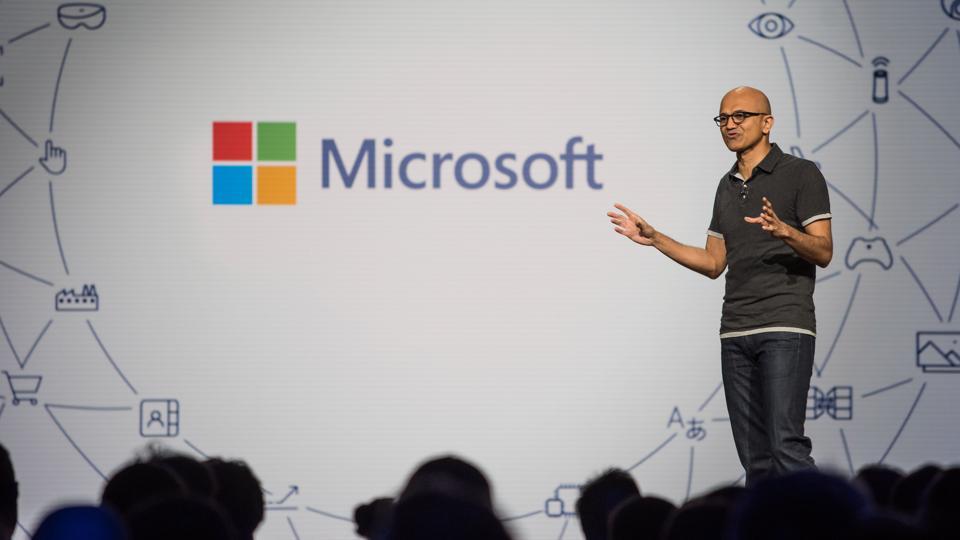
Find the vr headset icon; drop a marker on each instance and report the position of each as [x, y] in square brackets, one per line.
[76, 14]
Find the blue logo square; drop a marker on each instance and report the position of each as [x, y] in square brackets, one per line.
[232, 184]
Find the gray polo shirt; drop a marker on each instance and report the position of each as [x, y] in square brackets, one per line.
[769, 286]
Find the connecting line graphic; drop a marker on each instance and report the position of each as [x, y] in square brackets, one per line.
[846, 450]
[17, 179]
[651, 454]
[563, 529]
[904, 424]
[931, 118]
[853, 205]
[23, 362]
[327, 514]
[843, 323]
[26, 274]
[793, 92]
[709, 399]
[839, 133]
[50, 406]
[195, 449]
[928, 225]
[885, 388]
[830, 50]
[3, 405]
[24, 529]
[56, 230]
[19, 129]
[829, 276]
[689, 475]
[110, 359]
[924, 57]
[30, 32]
[922, 288]
[956, 295]
[876, 172]
[853, 25]
[56, 90]
[292, 528]
[523, 516]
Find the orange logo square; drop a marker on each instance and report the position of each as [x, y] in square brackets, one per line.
[276, 184]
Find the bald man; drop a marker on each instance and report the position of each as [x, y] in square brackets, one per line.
[770, 230]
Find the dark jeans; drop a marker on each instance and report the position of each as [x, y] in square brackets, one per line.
[766, 377]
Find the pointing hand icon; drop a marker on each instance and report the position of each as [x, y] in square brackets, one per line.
[54, 159]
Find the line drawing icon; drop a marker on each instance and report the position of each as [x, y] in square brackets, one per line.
[881, 83]
[1, 74]
[54, 159]
[869, 250]
[563, 502]
[24, 387]
[770, 25]
[159, 418]
[938, 352]
[69, 300]
[837, 403]
[73, 15]
[951, 8]
[294, 490]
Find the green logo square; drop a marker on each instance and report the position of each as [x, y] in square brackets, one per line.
[277, 141]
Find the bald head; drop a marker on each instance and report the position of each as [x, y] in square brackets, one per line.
[746, 95]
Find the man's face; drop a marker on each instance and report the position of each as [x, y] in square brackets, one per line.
[739, 137]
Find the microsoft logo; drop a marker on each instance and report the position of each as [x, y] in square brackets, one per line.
[276, 144]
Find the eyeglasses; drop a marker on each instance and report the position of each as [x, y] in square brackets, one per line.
[738, 117]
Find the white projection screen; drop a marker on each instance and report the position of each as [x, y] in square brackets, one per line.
[185, 262]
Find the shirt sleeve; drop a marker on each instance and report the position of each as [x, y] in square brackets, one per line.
[714, 228]
[813, 200]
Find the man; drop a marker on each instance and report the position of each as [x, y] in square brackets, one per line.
[771, 227]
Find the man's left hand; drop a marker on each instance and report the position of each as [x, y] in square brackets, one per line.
[769, 221]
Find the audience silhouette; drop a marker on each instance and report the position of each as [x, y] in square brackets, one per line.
[166, 496]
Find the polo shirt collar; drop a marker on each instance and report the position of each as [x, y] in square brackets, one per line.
[766, 165]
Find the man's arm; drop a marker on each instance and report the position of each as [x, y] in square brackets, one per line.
[709, 261]
[814, 243]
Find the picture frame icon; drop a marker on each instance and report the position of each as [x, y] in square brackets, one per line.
[159, 418]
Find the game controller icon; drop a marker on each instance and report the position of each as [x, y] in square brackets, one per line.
[77, 14]
[873, 250]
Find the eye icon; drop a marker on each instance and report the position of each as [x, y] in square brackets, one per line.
[770, 25]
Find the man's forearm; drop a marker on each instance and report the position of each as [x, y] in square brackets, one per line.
[694, 258]
[815, 249]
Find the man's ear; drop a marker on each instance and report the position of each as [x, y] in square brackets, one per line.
[767, 125]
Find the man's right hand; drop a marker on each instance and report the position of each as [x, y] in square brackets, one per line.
[629, 224]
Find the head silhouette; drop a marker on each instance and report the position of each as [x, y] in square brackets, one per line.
[195, 475]
[908, 491]
[799, 506]
[599, 497]
[433, 516]
[9, 493]
[181, 518]
[878, 482]
[138, 483]
[453, 477]
[240, 494]
[639, 517]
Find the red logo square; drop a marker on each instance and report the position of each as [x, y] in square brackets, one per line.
[232, 141]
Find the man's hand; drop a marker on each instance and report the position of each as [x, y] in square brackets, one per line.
[769, 221]
[631, 225]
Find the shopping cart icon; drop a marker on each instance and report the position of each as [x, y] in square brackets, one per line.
[24, 387]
